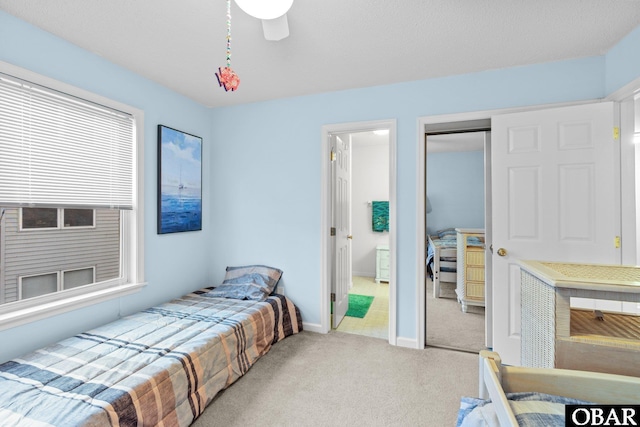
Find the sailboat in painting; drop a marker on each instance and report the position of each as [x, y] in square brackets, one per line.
[180, 196]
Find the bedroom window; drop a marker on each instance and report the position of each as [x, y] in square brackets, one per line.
[52, 218]
[70, 163]
[34, 286]
[42, 284]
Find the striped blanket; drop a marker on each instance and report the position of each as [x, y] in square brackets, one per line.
[529, 408]
[159, 366]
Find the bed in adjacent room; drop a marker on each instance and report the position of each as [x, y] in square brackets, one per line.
[162, 365]
[517, 396]
[442, 256]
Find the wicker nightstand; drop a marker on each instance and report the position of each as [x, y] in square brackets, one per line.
[556, 336]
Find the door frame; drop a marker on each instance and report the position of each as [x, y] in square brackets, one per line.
[325, 217]
[421, 270]
[629, 183]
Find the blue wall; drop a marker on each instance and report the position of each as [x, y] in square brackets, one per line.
[623, 62]
[268, 156]
[262, 180]
[455, 187]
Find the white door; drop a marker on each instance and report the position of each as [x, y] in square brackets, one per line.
[555, 174]
[342, 223]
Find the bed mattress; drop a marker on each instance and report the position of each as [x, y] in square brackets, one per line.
[159, 366]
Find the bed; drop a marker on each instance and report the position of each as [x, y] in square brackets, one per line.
[517, 396]
[442, 247]
[161, 366]
[441, 258]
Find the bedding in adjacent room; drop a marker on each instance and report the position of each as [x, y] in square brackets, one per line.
[161, 365]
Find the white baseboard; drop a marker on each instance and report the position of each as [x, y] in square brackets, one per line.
[363, 274]
[407, 342]
[313, 327]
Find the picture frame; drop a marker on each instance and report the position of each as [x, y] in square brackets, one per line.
[179, 181]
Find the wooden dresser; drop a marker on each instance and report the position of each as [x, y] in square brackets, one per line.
[470, 267]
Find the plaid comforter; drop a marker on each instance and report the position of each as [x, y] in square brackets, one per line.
[161, 365]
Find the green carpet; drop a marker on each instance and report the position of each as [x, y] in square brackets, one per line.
[358, 305]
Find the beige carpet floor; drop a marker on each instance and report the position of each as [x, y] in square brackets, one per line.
[340, 379]
[448, 325]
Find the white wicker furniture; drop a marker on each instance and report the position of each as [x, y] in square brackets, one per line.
[556, 336]
[470, 268]
[496, 380]
[382, 263]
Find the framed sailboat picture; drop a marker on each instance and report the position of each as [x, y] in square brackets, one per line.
[179, 181]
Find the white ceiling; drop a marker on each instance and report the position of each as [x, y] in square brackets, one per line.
[333, 44]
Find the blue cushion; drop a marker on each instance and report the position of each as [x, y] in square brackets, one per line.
[253, 282]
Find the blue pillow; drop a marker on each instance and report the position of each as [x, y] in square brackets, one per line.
[252, 282]
[447, 233]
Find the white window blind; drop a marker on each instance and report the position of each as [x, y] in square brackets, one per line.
[59, 150]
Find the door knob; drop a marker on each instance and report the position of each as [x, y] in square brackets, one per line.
[349, 237]
[502, 252]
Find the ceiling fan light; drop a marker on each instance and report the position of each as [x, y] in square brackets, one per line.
[265, 9]
[276, 29]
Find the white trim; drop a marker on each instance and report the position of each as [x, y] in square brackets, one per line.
[2, 251]
[628, 194]
[626, 91]
[325, 218]
[421, 188]
[408, 343]
[42, 311]
[313, 327]
[421, 232]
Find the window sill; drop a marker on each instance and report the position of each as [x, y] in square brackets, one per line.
[42, 311]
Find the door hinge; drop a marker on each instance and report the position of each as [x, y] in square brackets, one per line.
[333, 297]
[616, 242]
[333, 231]
[332, 156]
[616, 133]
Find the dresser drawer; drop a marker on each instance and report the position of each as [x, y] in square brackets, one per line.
[475, 257]
[475, 274]
[384, 261]
[475, 290]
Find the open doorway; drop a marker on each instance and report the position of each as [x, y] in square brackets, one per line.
[373, 163]
[455, 240]
[368, 293]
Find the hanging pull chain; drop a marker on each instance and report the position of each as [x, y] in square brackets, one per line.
[227, 78]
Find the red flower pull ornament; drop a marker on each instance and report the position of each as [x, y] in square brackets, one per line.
[228, 79]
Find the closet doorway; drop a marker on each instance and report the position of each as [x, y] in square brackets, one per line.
[362, 154]
[456, 166]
